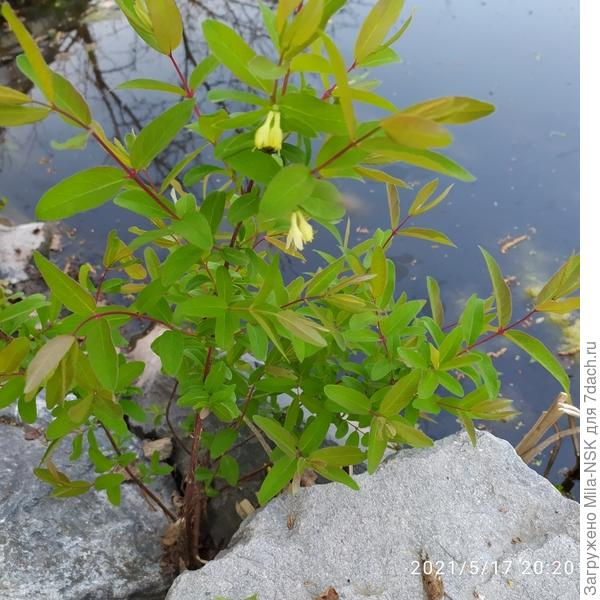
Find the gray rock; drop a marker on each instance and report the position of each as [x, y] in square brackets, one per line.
[74, 548]
[17, 245]
[466, 507]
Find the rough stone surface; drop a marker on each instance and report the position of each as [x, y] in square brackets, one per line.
[17, 245]
[75, 548]
[466, 507]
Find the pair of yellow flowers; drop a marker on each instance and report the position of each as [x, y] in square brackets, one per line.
[269, 138]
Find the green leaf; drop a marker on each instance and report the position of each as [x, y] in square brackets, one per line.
[562, 283]
[344, 93]
[8, 96]
[202, 306]
[222, 442]
[430, 235]
[67, 290]
[382, 56]
[229, 469]
[277, 478]
[202, 70]
[303, 328]
[79, 193]
[336, 474]
[559, 306]
[77, 142]
[303, 28]
[159, 133]
[195, 229]
[282, 437]
[311, 63]
[451, 110]
[285, 8]
[23, 308]
[541, 354]
[102, 354]
[325, 203]
[10, 391]
[379, 268]
[352, 401]
[71, 102]
[166, 24]
[41, 70]
[412, 436]
[382, 154]
[151, 85]
[46, 360]
[169, 346]
[314, 433]
[232, 51]
[501, 290]
[435, 302]
[290, 186]
[308, 114]
[375, 27]
[377, 444]
[14, 116]
[450, 345]
[12, 355]
[472, 319]
[338, 456]
[400, 395]
[415, 132]
[138, 202]
[264, 68]
[393, 204]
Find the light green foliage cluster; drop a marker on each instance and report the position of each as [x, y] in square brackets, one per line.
[353, 356]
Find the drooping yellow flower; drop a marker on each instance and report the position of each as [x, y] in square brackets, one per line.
[268, 136]
[300, 232]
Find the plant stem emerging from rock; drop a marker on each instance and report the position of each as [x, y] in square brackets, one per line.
[194, 502]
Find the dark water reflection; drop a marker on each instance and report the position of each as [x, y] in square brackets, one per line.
[521, 55]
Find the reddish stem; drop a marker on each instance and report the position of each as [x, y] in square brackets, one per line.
[499, 331]
[396, 230]
[327, 93]
[131, 173]
[128, 313]
[189, 92]
[345, 149]
[144, 489]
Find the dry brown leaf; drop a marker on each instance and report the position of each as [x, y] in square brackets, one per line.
[432, 582]
[498, 353]
[512, 242]
[244, 508]
[309, 478]
[164, 447]
[173, 533]
[328, 594]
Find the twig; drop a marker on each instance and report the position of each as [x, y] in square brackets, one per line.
[170, 425]
[143, 488]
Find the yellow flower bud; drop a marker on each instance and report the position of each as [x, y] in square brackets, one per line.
[268, 136]
[300, 232]
[275, 134]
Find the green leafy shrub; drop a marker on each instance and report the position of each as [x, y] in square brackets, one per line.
[352, 355]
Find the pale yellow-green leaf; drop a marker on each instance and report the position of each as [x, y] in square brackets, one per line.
[375, 27]
[46, 360]
[415, 132]
[41, 70]
[166, 24]
[343, 90]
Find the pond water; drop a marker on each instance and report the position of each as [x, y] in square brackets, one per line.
[522, 55]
